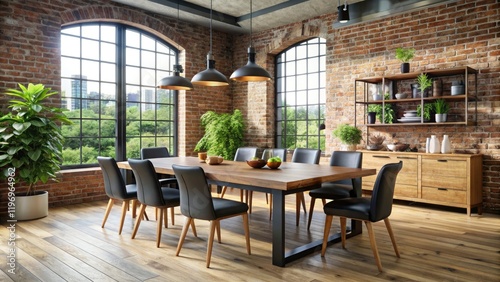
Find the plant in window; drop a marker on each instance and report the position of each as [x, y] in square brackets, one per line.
[30, 138]
[223, 134]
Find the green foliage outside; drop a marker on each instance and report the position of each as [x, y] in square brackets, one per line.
[301, 128]
[30, 136]
[223, 134]
[348, 134]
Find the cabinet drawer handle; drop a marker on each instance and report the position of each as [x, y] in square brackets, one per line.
[442, 189]
[406, 158]
[382, 157]
[443, 161]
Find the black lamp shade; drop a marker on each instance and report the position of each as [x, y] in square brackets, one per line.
[343, 13]
[251, 71]
[210, 76]
[175, 82]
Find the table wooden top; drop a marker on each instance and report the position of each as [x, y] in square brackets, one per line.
[288, 176]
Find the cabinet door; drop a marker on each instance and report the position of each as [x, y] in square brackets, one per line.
[406, 182]
[444, 173]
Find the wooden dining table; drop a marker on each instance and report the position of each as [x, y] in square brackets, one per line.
[289, 178]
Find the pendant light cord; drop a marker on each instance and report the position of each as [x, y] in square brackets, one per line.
[211, 26]
[251, 17]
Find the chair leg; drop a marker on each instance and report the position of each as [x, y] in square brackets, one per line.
[311, 210]
[134, 208]
[187, 223]
[138, 220]
[193, 228]
[125, 205]
[223, 191]
[162, 214]
[373, 243]
[241, 196]
[247, 231]
[218, 232]
[249, 200]
[391, 234]
[326, 233]
[298, 202]
[324, 201]
[343, 226]
[267, 199]
[172, 215]
[111, 202]
[213, 225]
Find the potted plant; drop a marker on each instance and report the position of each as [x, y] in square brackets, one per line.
[31, 146]
[405, 55]
[427, 112]
[223, 134]
[424, 82]
[441, 107]
[349, 136]
[385, 114]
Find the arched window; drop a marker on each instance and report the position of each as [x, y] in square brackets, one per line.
[300, 95]
[108, 78]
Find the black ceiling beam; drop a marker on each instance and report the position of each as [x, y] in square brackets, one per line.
[271, 9]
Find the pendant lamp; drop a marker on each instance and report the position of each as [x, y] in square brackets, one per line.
[176, 82]
[251, 71]
[343, 12]
[210, 76]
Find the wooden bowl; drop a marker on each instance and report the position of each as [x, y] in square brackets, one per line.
[256, 163]
[273, 165]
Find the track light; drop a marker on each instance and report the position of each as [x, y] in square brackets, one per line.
[343, 12]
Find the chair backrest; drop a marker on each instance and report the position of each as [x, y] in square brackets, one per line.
[245, 153]
[154, 152]
[383, 191]
[275, 152]
[195, 195]
[114, 185]
[351, 159]
[306, 156]
[148, 187]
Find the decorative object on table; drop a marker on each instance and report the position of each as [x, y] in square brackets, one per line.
[441, 107]
[437, 87]
[427, 112]
[273, 163]
[214, 160]
[386, 113]
[371, 117]
[405, 55]
[401, 96]
[427, 144]
[434, 146]
[424, 82]
[446, 145]
[349, 136]
[223, 134]
[257, 163]
[31, 147]
[202, 156]
[398, 147]
[457, 88]
[376, 142]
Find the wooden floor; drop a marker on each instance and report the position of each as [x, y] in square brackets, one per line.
[69, 245]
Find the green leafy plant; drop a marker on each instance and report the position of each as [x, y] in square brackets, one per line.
[223, 134]
[428, 110]
[405, 55]
[424, 82]
[348, 134]
[441, 106]
[386, 112]
[30, 136]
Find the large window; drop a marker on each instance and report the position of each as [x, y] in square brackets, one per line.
[300, 95]
[108, 77]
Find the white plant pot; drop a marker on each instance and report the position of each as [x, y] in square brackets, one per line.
[440, 117]
[346, 147]
[32, 207]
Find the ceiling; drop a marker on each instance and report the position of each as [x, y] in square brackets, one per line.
[233, 16]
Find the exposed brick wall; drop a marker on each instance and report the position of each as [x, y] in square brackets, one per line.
[464, 32]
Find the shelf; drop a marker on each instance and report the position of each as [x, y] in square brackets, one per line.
[468, 123]
[448, 97]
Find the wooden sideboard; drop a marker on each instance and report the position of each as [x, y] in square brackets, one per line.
[443, 179]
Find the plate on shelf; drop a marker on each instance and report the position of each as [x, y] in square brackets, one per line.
[415, 119]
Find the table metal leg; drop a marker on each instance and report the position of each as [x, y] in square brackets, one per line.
[278, 236]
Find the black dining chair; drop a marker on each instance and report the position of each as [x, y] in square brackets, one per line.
[338, 189]
[197, 203]
[306, 156]
[150, 193]
[367, 209]
[116, 189]
[242, 155]
[148, 153]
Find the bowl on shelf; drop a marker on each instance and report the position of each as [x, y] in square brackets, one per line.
[397, 147]
[373, 147]
[401, 95]
[377, 97]
[273, 165]
[257, 163]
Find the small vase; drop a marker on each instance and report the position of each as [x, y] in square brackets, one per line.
[446, 145]
[202, 156]
[405, 67]
[441, 117]
[372, 117]
[434, 147]
[427, 144]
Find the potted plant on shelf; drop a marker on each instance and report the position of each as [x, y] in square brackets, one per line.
[441, 107]
[349, 136]
[405, 55]
[424, 82]
[31, 146]
[385, 114]
[223, 134]
[427, 112]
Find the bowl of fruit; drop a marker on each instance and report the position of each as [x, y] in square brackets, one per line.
[256, 163]
[274, 162]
